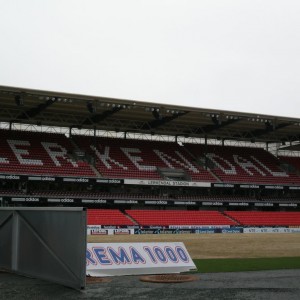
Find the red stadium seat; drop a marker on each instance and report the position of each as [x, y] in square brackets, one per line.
[136, 159]
[242, 165]
[179, 217]
[260, 218]
[107, 217]
[36, 153]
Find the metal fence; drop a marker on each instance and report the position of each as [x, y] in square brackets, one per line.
[45, 243]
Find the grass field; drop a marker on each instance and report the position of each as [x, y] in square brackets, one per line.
[246, 264]
[262, 245]
[228, 252]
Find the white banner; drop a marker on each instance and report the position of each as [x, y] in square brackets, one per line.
[198, 226]
[271, 230]
[98, 230]
[116, 259]
[167, 182]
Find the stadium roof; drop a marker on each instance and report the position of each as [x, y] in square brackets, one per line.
[49, 108]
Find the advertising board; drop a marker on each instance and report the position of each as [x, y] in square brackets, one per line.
[116, 259]
[271, 230]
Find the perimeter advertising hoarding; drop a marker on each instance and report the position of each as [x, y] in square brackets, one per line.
[167, 182]
[163, 231]
[271, 230]
[116, 259]
[99, 230]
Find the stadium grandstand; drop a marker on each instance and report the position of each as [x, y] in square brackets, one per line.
[140, 164]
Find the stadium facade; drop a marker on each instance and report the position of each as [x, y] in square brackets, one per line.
[61, 149]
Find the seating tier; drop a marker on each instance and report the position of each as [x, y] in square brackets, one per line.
[121, 158]
[260, 218]
[179, 217]
[242, 165]
[107, 217]
[23, 152]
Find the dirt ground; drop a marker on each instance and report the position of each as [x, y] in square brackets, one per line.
[220, 245]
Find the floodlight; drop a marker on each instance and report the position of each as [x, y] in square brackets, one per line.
[90, 107]
[19, 100]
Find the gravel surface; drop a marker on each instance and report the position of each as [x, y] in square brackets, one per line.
[283, 284]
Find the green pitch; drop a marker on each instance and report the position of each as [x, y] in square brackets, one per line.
[246, 264]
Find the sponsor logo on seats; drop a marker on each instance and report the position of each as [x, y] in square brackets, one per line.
[157, 202]
[216, 203]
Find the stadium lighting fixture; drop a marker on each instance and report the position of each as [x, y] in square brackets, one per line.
[90, 107]
[19, 99]
[156, 114]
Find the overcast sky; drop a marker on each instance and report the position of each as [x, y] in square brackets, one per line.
[240, 55]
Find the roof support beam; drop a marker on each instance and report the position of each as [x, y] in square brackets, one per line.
[100, 117]
[161, 121]
[268, 129]
[31, 113]
[215, 126]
